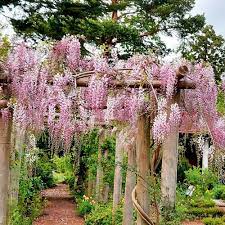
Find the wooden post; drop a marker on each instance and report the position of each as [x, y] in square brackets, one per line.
[118, 170]
[143, 165]
[169, 164]
[106, 188]
[15, 164]
[5, 142]
[99, 176]
[130, 185]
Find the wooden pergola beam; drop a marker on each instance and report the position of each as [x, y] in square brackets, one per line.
[182, 84]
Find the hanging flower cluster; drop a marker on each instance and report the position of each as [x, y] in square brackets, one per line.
[67, 54]
[167, 120]
[47, 94]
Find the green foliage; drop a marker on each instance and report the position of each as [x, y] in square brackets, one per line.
[214, 221]
[63, 169]
[175, 216]
[63, 164]
[206, 212]
[202, 202]
[202, 180]
[89, 160]
[44, 171]
[109, 162]
[92, 21]
[221, 102]
[206, 46]
[5, 47]
[31, 181]
[102, 215]
[183, 166]
[85, 205]
[20, 216]
[29, 203]
[219, 192]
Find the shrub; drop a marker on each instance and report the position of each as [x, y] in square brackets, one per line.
[102, 215]
[206, 212]
[27, 209]
[202, 202]
[219, 192]
[202, 180]
[183, 166]
[44, 171]
[64, 169]
[85, 206]
[214, 221]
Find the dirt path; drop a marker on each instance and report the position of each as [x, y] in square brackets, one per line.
[60, 209]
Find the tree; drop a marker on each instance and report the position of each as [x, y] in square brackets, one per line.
[206, 46]
[133, 25]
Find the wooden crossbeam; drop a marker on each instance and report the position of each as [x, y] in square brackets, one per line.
[182, 84]
[82, 80]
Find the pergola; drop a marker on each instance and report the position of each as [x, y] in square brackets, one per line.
[143, 143]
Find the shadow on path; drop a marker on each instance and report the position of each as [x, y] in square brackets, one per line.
[60, 208]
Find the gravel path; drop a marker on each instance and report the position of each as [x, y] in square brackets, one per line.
[60, 208]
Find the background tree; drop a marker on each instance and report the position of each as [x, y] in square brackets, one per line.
[131, 25]
[206, 46]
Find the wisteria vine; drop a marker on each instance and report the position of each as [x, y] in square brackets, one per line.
[45, 94]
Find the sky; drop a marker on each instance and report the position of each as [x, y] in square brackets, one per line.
[214, 11]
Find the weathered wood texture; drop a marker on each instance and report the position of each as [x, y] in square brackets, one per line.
[117, 190]
[5, 140]
[143, 165]
[99, 176]
[169, 163]
[17, 146]
[130, 185]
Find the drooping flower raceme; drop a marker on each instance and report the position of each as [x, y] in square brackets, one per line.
[167, 121]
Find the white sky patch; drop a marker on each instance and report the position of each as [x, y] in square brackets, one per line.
[214, 11]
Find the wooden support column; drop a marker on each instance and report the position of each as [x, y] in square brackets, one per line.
[117, 190]
[99, 176]
[143, 165]
[5, 142]
[130, 185]
[17, 145]
[106, 188]
[169, 164]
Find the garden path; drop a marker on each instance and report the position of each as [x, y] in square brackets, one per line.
[59, 209]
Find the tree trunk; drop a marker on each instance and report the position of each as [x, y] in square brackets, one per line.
[5, 144]
[169, 165]
[143, 165]
[117, 190]
[130, 185]
[205, 156]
